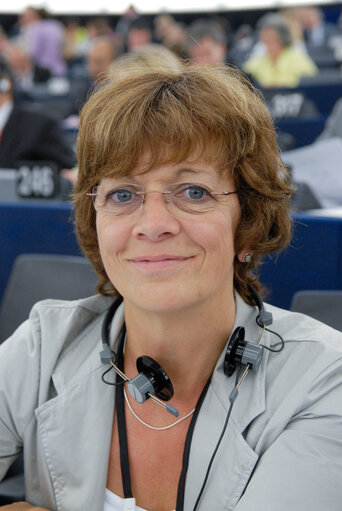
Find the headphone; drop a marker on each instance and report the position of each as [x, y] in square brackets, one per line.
[152, 380]
[242, 353]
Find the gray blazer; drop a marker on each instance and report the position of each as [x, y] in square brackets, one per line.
[282, 449]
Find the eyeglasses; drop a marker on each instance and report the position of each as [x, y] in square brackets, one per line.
[126, 198]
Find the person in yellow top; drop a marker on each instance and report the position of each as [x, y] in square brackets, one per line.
[280, 64]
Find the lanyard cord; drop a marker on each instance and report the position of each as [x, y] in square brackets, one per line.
[186, 453]
[122, 431]
[120, 408]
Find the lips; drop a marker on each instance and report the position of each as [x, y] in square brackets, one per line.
[158, 262]
[157, 258]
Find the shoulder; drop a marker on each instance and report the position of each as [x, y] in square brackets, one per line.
[255, 61]
[308, 345]
[59, 338]
[300, 327]
[337, 110]
[53, 325]
[311, 356]
[70, 316]
[295, 55]
[33, 114]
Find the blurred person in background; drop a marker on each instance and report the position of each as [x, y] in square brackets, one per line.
[163, 24]
[28, 133]
[125, 21]
[75, 40]
[207, 43]
[26, 74]
[44, 38]
[139, 34]
[281, 65]
[3, 41]
[101, 53]
[98, 27]
[290, 17]
[171, 34]
[317, 32]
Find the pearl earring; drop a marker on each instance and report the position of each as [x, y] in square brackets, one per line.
[247, 258]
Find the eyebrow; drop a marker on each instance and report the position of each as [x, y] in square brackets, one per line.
[177, 173]
[189, 170]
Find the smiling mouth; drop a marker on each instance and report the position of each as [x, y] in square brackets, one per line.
[158, 262]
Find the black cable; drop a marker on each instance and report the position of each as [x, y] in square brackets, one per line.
[186, 452]
[282, 342]
[115, 384]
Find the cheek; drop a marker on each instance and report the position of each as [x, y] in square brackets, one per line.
[111, 236]
[217, 237]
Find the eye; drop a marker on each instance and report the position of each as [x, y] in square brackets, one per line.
[122, 195]
[195, 193]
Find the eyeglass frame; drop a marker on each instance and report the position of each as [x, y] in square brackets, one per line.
[142, 192]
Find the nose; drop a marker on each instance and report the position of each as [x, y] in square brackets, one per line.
[154, 220]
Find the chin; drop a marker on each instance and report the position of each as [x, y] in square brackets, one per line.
[162, 299]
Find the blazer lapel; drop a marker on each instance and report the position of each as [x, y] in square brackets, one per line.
[76, 429]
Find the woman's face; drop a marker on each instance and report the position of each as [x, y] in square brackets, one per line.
[271, 39]
[161, 258]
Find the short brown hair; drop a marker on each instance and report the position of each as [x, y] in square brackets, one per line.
[171, 115]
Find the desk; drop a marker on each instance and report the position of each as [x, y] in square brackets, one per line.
[312, 261]
[34, 227]
[304, 131]
[324, 95]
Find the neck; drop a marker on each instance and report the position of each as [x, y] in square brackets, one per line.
[187, 343]
[275, 56]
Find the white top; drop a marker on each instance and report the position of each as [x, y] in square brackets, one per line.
[113, 502]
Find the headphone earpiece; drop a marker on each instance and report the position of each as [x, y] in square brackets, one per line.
[241, 353]
[264, 318]
[152, 379]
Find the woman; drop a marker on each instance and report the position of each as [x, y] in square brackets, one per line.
[181, 191]
[282, 64]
